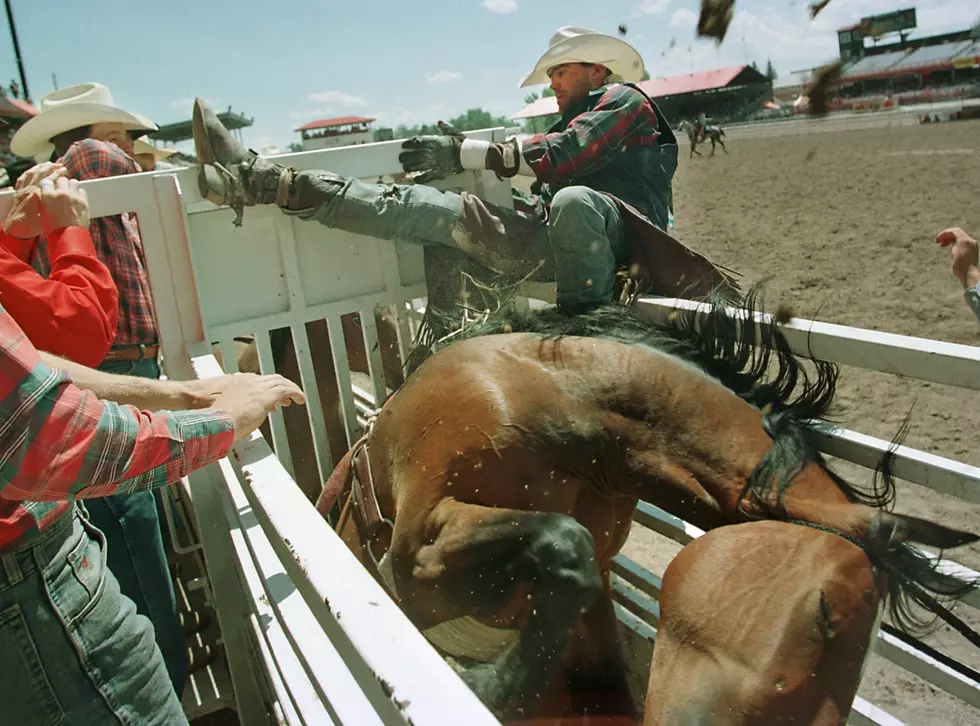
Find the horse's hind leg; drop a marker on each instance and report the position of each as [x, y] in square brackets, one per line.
[464, 559]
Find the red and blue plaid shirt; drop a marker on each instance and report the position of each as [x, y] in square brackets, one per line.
[58, 442]
[593, 144]
[117, 242]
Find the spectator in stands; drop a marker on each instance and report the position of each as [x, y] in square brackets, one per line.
[73, 649]
[74, 312]
[91, 137]
[966, 265]
[604, 173]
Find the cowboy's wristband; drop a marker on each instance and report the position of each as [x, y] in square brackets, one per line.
[972, 295]
[473, 154]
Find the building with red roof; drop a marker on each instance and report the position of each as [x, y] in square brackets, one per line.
[329, 133]
[723, 94]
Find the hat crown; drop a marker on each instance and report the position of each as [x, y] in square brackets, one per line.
[568, 32]
[81, 93]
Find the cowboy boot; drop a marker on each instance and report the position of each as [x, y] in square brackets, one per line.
[237, 177]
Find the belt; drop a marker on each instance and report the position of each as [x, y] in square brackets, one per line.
[133, 352]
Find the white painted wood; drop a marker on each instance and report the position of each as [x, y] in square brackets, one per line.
[928, 360]
[928, 668]
[277, 425]
[227, 594]
[864, 713]
[372, 346]
[314, 406]
[919, 467]
[322, 689]
[341, 366]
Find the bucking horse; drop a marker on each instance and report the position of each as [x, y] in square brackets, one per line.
[496, 485]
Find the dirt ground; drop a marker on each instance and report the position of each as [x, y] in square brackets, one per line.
[844, 224]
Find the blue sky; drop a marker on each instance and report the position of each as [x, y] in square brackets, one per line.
[288, 62]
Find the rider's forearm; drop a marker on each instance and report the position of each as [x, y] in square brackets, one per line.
[503, 158]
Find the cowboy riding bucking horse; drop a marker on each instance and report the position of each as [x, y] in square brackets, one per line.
[595, 225]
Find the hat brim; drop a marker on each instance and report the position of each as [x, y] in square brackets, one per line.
[622, 59]
[141, 147]
[33, 139]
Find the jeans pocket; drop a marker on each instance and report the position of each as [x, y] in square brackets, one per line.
[25, 688]
[80, 584]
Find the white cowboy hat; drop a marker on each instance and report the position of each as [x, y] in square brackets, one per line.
[141, 147]
[571, 44]
[67, 109]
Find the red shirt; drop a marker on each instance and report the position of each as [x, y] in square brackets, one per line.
[117, 242]
[59, 443]
[74, 313]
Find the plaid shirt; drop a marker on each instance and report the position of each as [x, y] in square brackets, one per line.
[58, 442]
[590, 145]
[117, 242]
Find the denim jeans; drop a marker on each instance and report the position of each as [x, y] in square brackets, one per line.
[73, 649]
[134, 531]
[585, 232]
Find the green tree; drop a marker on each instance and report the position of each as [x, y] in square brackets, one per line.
[294, 147]
[770, 70]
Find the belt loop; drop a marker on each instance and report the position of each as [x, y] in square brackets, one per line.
[11, 569]
[142, 351]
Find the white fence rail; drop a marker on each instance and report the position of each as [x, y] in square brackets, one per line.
[309, 636]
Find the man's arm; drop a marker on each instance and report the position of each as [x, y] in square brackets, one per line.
[75, 311]
[966, 264]
[621, 117]
[58, 441]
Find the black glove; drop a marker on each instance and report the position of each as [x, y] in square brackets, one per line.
[437, 156]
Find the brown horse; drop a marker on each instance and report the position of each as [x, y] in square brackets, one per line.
[763, 623]
[509, 465]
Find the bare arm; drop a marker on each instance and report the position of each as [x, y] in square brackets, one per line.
[146, 394]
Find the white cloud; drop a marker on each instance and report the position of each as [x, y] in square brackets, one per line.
[308, 114]
[444, 77]
[345, 100]
[396, 116]
[500, 6]
[650, 7]
[683, 18]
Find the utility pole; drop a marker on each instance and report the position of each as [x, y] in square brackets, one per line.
[20, 61]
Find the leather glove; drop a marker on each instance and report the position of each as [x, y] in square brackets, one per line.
[437, 156]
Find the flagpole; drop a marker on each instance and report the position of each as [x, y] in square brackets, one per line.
[20, 61]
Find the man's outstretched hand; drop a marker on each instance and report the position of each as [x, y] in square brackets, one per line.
[250, 398]
[966, 265]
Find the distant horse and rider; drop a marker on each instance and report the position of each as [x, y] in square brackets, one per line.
[698, 135]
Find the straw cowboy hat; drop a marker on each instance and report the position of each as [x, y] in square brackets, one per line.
[67, 109]
[580, 45]
[142, 147]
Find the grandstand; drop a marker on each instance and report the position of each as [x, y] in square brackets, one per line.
[904, 69]
[724, 94]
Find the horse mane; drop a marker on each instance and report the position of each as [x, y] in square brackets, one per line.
[756, 363]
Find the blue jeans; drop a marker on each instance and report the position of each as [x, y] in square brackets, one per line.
[585, 233]
[73, 649]
[134, 531]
